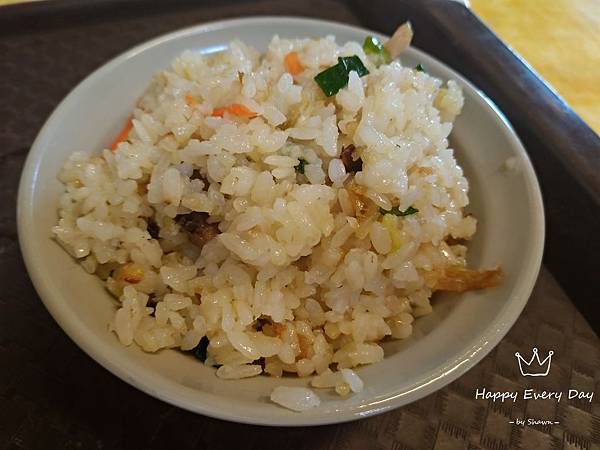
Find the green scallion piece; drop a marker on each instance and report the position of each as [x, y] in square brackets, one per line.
[300, 167]
[375, 48]
[351, 63]
[397, 212]
[334, 78]
[200, 351]
[419, 68]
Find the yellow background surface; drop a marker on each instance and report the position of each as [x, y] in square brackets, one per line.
[559, 38]
[6, 2]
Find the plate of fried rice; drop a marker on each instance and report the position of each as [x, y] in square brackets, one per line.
[281, 221]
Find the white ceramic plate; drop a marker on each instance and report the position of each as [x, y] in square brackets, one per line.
[462, 329]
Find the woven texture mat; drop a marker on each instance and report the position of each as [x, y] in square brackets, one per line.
[52, 396]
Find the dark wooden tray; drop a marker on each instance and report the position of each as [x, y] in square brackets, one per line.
[54, 396]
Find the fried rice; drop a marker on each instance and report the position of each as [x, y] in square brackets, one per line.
[246, 217]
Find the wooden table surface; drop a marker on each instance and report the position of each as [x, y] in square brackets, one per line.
[53, 396]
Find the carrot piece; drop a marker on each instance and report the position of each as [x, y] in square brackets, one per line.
[218, 112]
[236, 109]
[292, 63]
[122, 134]
[190, 99]
[241, 110]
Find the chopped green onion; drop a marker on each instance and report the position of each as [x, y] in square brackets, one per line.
[396, 211]
[334, 78]
[419, 68]
[300, 167]
[351, 63]
[200, 351]
[374, 47]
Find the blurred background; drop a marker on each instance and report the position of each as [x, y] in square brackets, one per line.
[560, 39]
